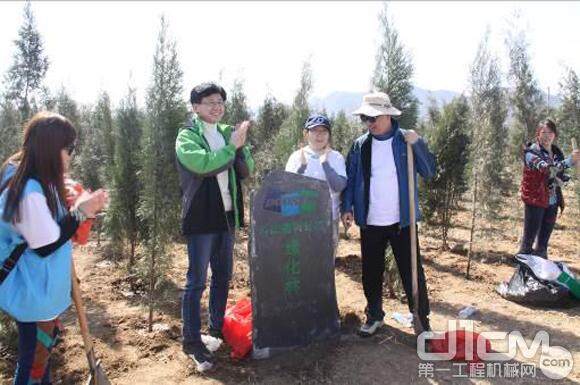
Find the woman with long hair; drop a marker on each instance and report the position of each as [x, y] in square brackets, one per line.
[543, 175]
[35, 232]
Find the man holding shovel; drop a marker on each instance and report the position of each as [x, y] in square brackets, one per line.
[377, 198]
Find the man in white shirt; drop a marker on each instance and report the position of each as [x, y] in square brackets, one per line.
[376, 197]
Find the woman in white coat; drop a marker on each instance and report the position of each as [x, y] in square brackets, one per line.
[318, 160]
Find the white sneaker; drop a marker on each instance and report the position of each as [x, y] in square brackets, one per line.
[370, 327]
[202, 358]
[201, 366]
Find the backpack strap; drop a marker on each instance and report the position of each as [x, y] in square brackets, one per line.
[11, 261]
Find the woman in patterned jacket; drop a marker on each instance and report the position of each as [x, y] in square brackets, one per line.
[543, 174]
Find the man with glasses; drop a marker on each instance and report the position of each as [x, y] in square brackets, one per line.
[377, 198]
[212, 159]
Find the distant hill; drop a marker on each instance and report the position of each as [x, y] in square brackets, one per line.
[349, 101]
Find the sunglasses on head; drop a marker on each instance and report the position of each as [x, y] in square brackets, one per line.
[370, 119]
[70, 149]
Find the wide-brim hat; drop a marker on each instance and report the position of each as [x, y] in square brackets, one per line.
[376, 104]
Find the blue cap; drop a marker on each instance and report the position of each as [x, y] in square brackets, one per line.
[317, 120]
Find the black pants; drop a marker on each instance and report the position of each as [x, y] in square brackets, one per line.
[538, 226]
[374, 242]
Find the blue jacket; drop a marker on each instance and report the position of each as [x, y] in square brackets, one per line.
[358, 165]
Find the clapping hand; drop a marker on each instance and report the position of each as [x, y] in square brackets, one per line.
[240, 133]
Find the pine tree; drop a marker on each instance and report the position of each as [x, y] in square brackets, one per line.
[122, 219]
[65, 105]
[264, 135]
[88, 154]
[236, 105]
[290, 137]
[159, 204]
[271, 115]
[449, 142]
[25, 75]
[488, 137]
[95, 146]
[525, 96]
[569, 112]
[10, 129]
[344, 132]
[394, 71]
[569, 118]
[103, 123]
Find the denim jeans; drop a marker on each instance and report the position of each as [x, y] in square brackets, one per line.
[538, 226]
[215, 250]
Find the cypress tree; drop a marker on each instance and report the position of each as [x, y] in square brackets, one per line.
[394, 71]
[159, 203]
[449, 142]
[30, 64]
[123, 223]
[290, 135]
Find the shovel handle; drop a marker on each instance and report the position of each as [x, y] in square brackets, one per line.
[413, 232]
[574, 147]
[82, 316]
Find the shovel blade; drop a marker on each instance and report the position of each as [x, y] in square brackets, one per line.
[98, 376]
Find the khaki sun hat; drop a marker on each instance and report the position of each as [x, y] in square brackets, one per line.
[377, 104]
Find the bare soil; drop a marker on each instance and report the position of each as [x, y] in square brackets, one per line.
[132, 355]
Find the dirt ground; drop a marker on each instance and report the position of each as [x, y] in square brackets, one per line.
[131, 355]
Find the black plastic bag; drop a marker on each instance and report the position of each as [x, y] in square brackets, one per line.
[525, 288]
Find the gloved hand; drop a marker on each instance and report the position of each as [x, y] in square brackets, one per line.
[553, 170]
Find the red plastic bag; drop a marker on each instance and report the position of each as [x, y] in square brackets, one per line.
[237, 328]
[442, 345]
[73, 191]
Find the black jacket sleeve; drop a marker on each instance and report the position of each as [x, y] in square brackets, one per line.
[68, 226]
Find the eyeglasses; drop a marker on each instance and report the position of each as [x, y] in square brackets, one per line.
[214, 104]
[370, 119]
[70, 149]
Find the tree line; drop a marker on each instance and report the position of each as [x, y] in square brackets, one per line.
[129, 149]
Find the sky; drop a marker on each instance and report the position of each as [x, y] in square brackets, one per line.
[94, 46]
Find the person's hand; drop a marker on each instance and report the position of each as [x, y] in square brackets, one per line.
[303, 160]
[324, 155]
[347, 219]
[240, 133]
[553, 171]
[245, 125]
[411, 137]
[90, 204]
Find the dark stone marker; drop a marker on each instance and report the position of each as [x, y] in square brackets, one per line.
[292, 264]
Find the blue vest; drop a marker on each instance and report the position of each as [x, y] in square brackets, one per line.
[37, 289]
